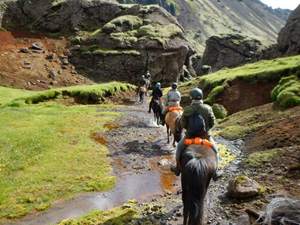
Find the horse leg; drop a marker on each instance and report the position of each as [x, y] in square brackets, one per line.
[174, 145]
[168, 134]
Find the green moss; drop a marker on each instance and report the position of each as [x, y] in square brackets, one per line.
[89, 94]
[119, 215]
[260, 158]
[106, 52]
[264, 71]
[240, 179]
[216, 92]
[133, 22]
[219, 111]
[287, 92]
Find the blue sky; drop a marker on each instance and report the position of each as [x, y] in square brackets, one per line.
[284, 4]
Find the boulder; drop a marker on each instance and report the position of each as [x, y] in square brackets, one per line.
[288, 38]
[242, 187]
[228, 50]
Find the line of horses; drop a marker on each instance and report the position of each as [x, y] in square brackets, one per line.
[199, 164]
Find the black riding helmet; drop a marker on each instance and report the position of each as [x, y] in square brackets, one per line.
[196, 93]
[174, 85]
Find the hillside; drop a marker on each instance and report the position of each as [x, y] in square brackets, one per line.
[202, 19]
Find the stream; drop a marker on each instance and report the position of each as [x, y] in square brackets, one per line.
[141, 160]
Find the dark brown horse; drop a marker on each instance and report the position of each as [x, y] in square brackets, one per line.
[173, 125]
[157, 110]
[199, 163]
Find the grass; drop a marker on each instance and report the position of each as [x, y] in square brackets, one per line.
[45, 155]
[259, 158]
[265, 71]
[121, 215]
[85, 94]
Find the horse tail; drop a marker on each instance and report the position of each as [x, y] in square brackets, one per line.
[196, 175]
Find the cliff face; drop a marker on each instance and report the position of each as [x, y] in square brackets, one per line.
[110, 41]
[288, 38]
[202, 19]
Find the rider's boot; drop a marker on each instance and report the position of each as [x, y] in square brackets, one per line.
[175, 170]
[149, 111]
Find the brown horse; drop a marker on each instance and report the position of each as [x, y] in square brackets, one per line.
[173, 124]
[199, 163]
[141, 91]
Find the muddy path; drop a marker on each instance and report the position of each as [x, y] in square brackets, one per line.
[141, 159]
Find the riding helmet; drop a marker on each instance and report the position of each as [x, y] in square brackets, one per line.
[174, 85]
[143, 76]
[196, 93]
[157, 84]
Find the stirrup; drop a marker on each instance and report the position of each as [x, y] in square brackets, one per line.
[175, 170]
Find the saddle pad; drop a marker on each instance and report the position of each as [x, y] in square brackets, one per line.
[198, 141]
[174, 108]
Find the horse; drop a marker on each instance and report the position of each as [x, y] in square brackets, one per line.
[280, 211]
[173, 124]
[141, 91]
[157, 110]
[198, 164]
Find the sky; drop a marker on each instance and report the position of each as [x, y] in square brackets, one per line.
[284, 4]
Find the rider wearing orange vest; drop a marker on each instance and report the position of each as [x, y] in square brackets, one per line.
[206, 112]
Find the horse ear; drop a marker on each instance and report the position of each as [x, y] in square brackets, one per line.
[254, 217]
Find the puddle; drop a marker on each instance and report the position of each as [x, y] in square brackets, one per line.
[141, 187]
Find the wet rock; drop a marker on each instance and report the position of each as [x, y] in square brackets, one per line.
[242, 187]
[38, 51]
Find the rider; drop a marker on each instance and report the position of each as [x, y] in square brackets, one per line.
[206, 112]
[142, 82]
[156, 95]
[172, 99]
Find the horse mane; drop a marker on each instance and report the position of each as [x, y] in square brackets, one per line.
[283, 211]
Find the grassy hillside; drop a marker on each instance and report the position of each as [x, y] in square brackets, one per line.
[46, 148]
[262, 72]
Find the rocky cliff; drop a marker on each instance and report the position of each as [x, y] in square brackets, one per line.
[110, 41]
[288, 38]
[202, 19]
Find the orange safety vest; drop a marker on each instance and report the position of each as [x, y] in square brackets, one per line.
[198, 141]
[160, 100]
[174, 108]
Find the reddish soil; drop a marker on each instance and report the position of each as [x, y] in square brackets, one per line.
[31, 70]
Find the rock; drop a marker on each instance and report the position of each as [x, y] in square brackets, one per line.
[53, 82]
[50, 56]
[288, 38]
[27, 67]
[37, 46]
[242, 187]
[128, 206]
[38, 51]
[228, 50]
[64, 67]
[52, 74]
[24, 50]
[26, 63]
